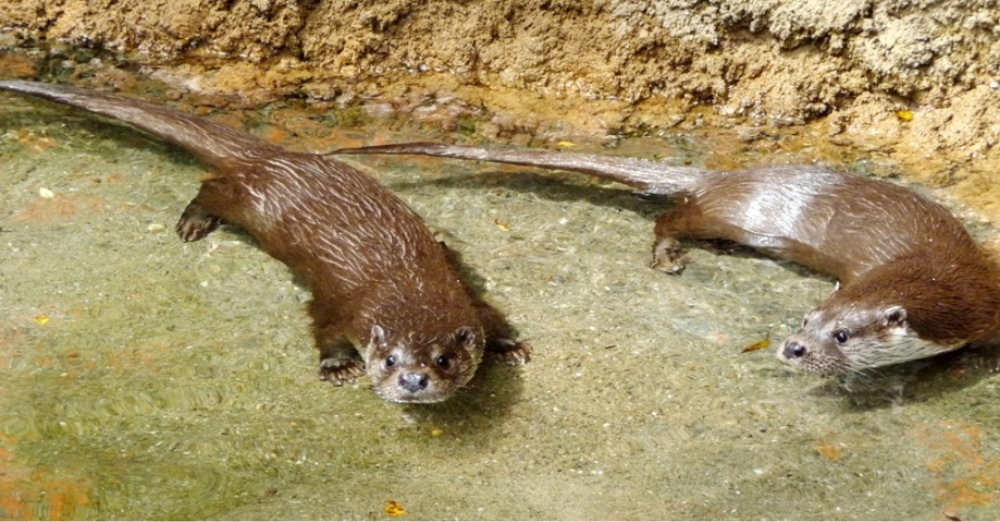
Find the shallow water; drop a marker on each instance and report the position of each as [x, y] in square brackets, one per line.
[147, 378]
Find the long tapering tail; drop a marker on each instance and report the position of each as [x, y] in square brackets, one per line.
[211, 142]
[651, 177]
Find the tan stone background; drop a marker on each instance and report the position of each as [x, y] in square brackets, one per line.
[842, 69]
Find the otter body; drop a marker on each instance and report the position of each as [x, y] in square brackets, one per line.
[913, 283]
[383, 287]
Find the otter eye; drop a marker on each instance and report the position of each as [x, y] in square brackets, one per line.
[390, 360]
[841, 336]
[443, 362]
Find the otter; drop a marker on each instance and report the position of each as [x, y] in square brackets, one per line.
[912, 281]
[383, 288]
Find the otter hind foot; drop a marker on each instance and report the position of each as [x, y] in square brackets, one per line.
[511, 352]
[338, 371]
[195, 223]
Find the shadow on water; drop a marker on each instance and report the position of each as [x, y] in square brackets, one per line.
[481, 407]
[555, 187]
[912, 382]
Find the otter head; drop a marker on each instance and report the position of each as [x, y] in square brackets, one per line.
[838, 338]
[413, 369]
[902, 310]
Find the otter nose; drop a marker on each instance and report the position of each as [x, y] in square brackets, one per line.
[413, 382]
[793, 350]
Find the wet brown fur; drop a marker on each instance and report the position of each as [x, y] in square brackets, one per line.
[380, 281]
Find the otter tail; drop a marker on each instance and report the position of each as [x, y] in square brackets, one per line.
[211, 142]
[650, 177]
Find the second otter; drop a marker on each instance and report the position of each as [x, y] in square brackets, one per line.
[913, 283]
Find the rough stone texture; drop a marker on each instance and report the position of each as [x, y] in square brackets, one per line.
[845, 66]
[723, 52]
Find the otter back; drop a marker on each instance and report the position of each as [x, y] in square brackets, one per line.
[383, 288]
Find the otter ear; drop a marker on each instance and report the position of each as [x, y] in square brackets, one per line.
[378, 335]
[465, 335]
[894, 316]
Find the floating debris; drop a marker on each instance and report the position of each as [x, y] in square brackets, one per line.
[759, 345]
[393, 509]
[829, 451]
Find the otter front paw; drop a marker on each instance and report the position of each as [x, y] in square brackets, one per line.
[511, 352]
[339, 371]
[668, 256]
[195, 223]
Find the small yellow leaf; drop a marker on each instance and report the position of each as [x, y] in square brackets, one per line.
[42, 319]
[501, 225]
[437, 432]
[828, 450]
[759, 345]
[566, 144]
[393, 509]
[905, 115]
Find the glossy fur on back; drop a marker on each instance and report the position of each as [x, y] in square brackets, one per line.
[380, 281]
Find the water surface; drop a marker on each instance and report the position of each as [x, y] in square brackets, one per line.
[141, 377]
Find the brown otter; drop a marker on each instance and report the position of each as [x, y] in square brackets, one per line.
[382, 286]
[913, 283]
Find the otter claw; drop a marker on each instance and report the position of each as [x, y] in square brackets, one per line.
[195, 223]
[189, 232]
[339, 372]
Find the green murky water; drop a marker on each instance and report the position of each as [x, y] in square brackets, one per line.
[141, 377]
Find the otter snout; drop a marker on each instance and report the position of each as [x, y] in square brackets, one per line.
[793, 350]
[414, 382]
[813, 353]
[798, 351]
